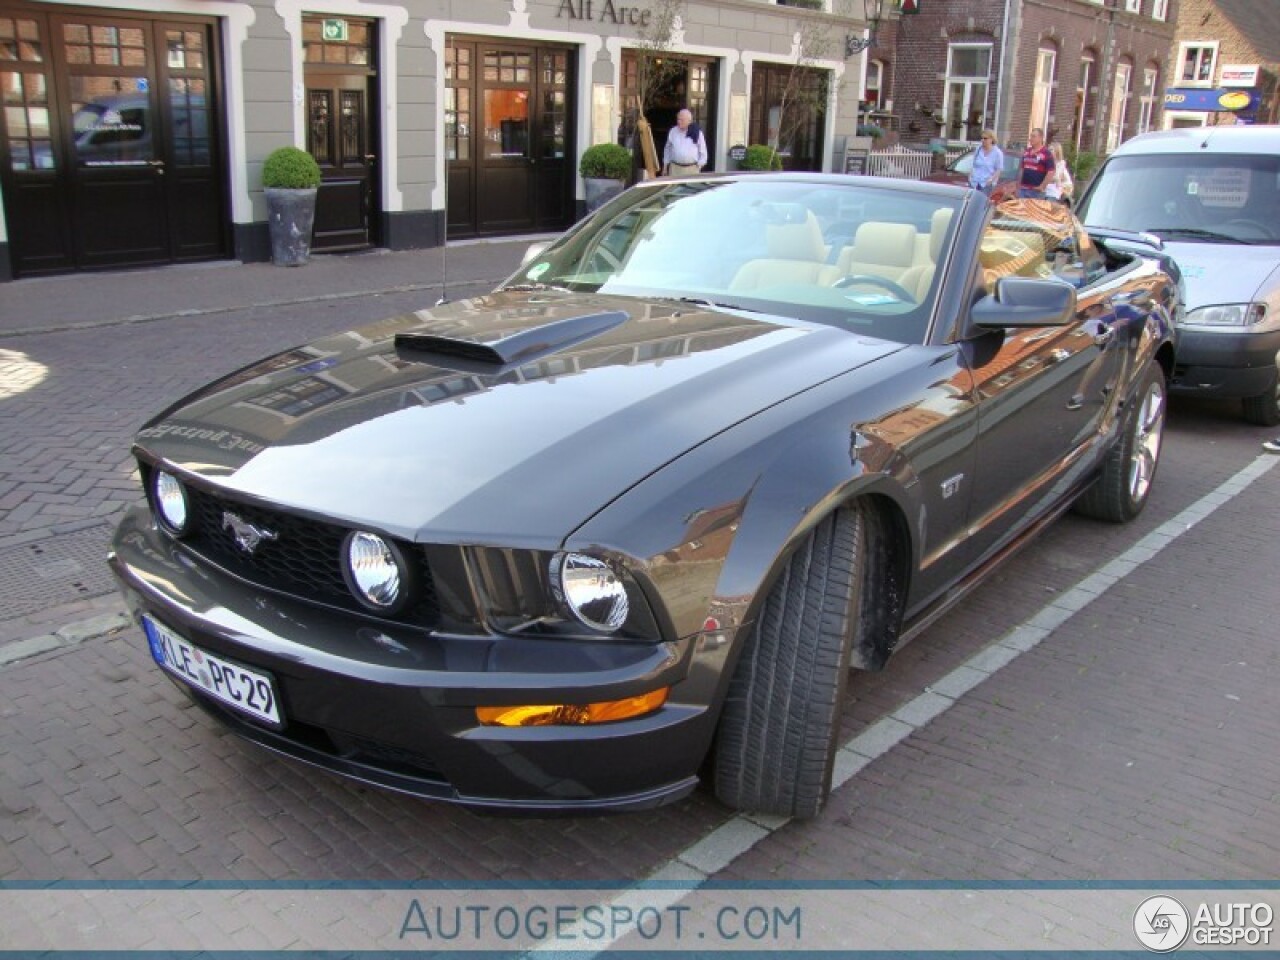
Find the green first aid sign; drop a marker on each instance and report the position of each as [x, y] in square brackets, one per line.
[335, 30]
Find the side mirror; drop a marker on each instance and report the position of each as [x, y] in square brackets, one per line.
[1023, 302]
[534, 251]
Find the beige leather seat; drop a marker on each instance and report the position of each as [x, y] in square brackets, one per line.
[928, 247]
[796, 254]
[881, 250]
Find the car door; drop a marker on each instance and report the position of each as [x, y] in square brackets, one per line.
[1045, 394]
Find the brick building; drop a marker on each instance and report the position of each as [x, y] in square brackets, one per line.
[1225, 64]
[1090, 72]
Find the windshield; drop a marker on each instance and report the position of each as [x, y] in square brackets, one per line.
[1196, 198]
[862, 257]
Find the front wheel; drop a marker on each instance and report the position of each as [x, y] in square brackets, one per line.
[1264, 409]
[777, 739]
[1121, 490]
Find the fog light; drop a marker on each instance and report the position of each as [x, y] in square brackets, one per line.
[567, 714]
[591, 590]
[171, 501]
[376, 571]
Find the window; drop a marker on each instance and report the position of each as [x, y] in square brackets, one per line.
[1133, 6]
[873, 95]
[1042, 95]
[1147, 103]
[1119, 106]
[968, 72]
[1160, 9]
[1197, 60]
[1083, 102]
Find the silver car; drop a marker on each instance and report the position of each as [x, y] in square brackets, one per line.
[1212, 195]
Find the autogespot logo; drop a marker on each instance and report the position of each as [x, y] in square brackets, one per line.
[1161, 924]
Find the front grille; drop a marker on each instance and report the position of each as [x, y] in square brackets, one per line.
[303, 560]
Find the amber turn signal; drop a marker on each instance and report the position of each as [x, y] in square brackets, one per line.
[559, 714]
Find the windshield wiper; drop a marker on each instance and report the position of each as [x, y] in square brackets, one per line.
[704, 302]
[1194, 234]
[533, 287]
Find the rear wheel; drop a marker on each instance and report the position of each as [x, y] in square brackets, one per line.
[1120, 492]
[777, 736]
[1264, 409]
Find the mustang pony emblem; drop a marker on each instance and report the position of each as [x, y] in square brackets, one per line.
[247, 535]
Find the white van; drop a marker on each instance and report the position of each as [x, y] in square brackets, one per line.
[1212, 195]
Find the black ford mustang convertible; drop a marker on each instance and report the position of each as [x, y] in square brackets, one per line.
[631, 519]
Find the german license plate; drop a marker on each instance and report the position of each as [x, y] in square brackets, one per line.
[242, 689]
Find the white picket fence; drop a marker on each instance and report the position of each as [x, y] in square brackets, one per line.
[906, 164]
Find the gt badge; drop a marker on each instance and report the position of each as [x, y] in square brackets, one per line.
[951, 485]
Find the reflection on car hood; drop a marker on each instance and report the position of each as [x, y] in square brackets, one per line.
[425, 446]
[1223, 272]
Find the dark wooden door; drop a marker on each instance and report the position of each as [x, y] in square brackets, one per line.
[788, 108]
[508, 138]
[118, 159]
[341, 81]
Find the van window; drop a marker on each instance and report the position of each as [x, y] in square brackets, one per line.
[1204, 198]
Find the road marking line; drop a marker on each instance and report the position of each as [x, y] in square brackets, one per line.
[704, 858]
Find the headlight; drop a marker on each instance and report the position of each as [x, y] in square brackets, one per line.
[170, 500]
[376, 571]
[1226, 315]
[590, 590]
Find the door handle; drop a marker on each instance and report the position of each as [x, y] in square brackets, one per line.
[157, 166]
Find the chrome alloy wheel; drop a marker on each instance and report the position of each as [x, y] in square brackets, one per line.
[1148, 432]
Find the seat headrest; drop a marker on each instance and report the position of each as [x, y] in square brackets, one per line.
[889, 244]
[938, 225]
[796, 241]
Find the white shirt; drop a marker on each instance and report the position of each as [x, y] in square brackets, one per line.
[681, 149]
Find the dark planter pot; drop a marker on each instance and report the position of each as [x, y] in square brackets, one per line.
[290, 217]
[601, 191]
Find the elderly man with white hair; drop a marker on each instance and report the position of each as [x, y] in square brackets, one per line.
[686, 149]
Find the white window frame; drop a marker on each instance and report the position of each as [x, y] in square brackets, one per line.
[1159, 9]
[969, 82]
[1203, 48]
[1133, 6]
[1042, 91]
[875, 69]
[1120, 89]
[1087, 66]
[1147, 102]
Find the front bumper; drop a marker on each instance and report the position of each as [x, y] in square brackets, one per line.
[1225, 363]
[395, 706]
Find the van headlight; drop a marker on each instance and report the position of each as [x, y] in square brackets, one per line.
[1226, 315]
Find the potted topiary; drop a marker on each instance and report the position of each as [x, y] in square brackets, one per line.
[605, 168]
[761, 157]
[290, 179]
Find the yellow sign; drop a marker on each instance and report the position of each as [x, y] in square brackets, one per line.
[1235, 100]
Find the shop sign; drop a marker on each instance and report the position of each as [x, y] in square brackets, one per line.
[1211, 101]
[1240, 75]
[607, 12]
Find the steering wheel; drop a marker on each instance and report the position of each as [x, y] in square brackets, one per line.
[1264, 232]
[871, 280]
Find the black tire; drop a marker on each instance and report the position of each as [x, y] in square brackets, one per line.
[1264, 409]
[777, 737]
[1121, 490]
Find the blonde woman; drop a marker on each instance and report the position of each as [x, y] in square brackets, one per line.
[1059, 185]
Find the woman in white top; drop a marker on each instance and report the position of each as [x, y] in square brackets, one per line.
[686, 149]
[1059, 185]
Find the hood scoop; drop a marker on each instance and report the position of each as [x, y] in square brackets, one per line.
[478, 356]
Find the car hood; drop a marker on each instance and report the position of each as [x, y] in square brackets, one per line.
[445, 440]
[1223, 272]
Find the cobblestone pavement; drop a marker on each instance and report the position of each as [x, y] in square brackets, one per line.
[1132, 743]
